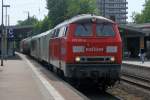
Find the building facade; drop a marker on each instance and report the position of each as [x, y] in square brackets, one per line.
[134, 38]
[14, 36]
[113, 9]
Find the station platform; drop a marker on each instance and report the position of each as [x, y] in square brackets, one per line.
[137, 62]
[22, 78]
[17, 81]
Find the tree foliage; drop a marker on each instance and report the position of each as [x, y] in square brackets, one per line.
[39, 26]
[60, 10]
[144, 16]
[57, 11]
[42, 26]
[28, 21]
[76, 7]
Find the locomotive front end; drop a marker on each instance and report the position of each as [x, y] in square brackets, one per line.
[94, 51]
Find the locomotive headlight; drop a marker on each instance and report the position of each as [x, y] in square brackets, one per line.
[112, 59]
[77, 59]
[111, 49]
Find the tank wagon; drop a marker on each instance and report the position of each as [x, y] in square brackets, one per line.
[85, 47]
[40, 46]
[25, 45]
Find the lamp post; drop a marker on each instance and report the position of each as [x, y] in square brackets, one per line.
[2, 26]
[2, 33]
[6, 6]
[5, 35]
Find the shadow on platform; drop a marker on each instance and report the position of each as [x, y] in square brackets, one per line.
[135, 59]
[131, 59]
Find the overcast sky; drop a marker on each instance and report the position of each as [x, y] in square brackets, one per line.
[37, 8]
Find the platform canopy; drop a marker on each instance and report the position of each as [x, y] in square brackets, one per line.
[133, 30]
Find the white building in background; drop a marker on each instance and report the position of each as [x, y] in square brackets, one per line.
[113, 9]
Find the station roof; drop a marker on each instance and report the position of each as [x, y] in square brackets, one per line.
[137, 29]
[145, 28]
[17, 30]
[23, 29]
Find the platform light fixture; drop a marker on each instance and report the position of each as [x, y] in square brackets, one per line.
[5, 34]
[2, 33]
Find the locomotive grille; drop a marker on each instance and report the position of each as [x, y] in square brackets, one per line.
[95, 59]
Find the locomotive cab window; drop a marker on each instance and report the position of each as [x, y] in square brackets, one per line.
[52, 35]
[62, 32]
[56, 32]
[83, 29]
[104, 29]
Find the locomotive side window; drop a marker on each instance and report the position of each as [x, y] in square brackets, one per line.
[65, 31]
[52, 33]
[62, 32]
[57, 32]
[84, 29]
[104, 29]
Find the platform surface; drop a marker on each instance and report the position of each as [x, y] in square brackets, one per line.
[17, 81]
[137, 62]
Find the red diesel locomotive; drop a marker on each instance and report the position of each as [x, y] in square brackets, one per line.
[86, 47]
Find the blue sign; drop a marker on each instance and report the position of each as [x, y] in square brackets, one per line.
[10, 33]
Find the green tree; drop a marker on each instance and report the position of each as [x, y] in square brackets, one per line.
[28, 21]
[60, 10]
[76, 7]
[137, 18]
[37, 28]
[57, 11]
[46, 24]
[144, 16]
[42, 26]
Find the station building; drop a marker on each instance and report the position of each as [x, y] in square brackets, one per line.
[135, 37]
[14, 36]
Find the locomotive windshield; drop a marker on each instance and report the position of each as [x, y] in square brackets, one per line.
[104, 29]
[84, 29]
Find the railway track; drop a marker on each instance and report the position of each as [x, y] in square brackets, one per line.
[86, 94]
[138, 81]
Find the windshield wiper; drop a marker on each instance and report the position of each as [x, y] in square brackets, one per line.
[85, 28]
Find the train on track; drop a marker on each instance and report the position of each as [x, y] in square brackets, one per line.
[85, 47]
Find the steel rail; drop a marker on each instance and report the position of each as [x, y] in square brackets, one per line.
[136, 80]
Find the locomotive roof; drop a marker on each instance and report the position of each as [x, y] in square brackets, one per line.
[42, 34]
[84, 16]
[73, 20]
[26, 39]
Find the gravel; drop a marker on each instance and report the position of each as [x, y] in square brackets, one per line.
[129, 92]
